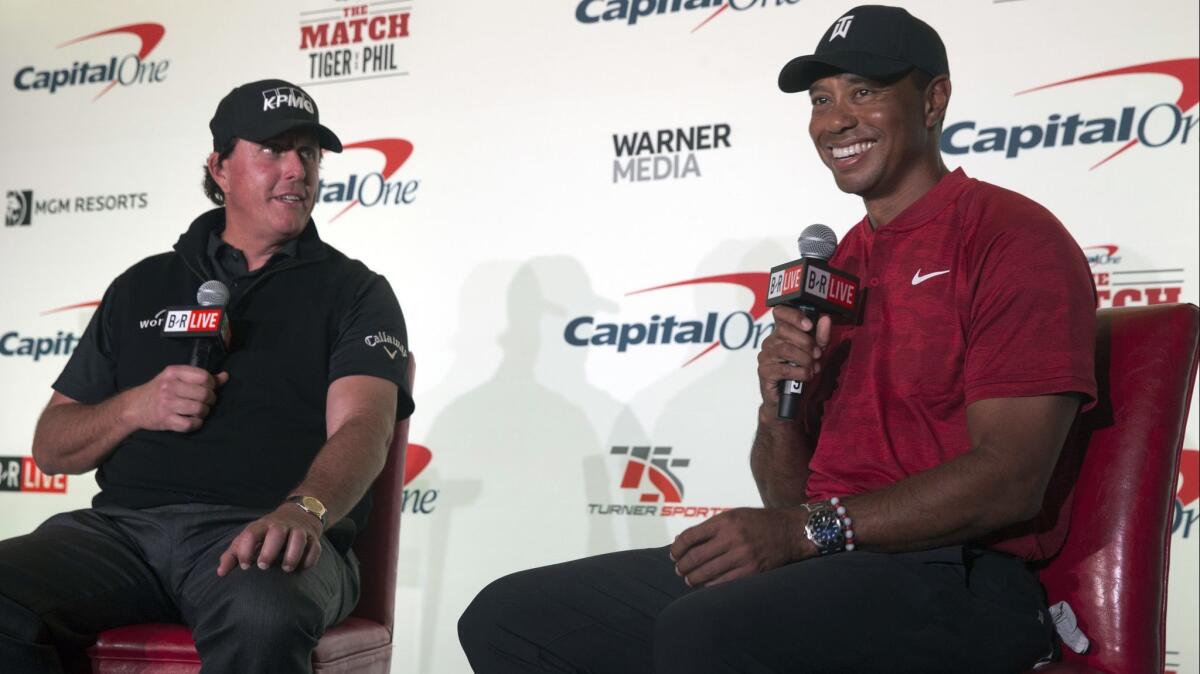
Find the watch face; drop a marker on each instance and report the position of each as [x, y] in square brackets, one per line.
[824, 531]
[313, 504]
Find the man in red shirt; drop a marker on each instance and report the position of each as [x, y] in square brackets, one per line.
[902, 506]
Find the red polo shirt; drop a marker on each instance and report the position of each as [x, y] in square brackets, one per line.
[972, 292]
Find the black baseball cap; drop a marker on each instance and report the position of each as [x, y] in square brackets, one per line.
[874, 41]
[264, 109]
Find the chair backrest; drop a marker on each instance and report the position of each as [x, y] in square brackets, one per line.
[1112, 569]
[378, 546]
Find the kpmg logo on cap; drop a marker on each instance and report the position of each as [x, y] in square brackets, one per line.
[273, 99]
[841, 28]
[126, 70]
[1155, 126]
[630, 12]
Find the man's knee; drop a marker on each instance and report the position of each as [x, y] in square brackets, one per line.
[18, 622]
[689, 634]
[482, 622]
[264, 612]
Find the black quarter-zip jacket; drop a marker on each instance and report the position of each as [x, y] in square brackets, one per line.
[301, 323]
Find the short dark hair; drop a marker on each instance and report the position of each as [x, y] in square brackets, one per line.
[211, 189]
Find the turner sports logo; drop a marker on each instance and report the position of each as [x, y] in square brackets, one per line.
[1119, 287]
[346, 43]
[731, 331]
[665, 153]
[630, 12]
[1186, 494]
[123, 68]
[651, 474]
[417, 501]
[374, 188]
[20, 473]
[1154, 126]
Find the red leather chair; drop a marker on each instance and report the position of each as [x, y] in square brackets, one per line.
[1113, 567]
[362, 643]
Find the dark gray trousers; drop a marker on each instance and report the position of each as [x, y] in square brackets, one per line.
[83, 572]
[952, 610]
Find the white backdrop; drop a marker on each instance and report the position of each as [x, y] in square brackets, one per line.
[513, 216]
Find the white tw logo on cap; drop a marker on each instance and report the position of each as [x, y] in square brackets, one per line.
[841, 27]
[273, 98]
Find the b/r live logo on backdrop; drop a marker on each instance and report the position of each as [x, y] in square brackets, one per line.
[20, 473]
[651, 475]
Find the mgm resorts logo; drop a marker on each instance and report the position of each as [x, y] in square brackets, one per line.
[664, 154]
[650, 472]
[20, 205]
[20, 473]
[17, 208]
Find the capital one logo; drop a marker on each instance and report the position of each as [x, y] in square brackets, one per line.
[1187, 493]
[128, 70]
[842, 27]
[415, 500]
[293, 98]
[732, 331]
[648, 471]
[1156, 126]
[375, 188]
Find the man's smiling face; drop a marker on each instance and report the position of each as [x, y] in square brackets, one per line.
[870, 134]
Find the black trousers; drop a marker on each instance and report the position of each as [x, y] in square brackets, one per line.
[86, 571]
[951, 610]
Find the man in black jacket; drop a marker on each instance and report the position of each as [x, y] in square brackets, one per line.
[228, 501]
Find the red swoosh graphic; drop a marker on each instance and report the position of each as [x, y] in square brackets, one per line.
[710, 17]
[1189, 477]
[664, 484]
[415, 460]
[1106, 247]
[93, 303]
[395, 152]
[755, 282]
[1186, 71]
[150, 35]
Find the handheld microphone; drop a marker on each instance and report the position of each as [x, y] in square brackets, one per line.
[205, 324]
[812, 286]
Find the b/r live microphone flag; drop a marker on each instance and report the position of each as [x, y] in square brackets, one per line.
[812, 286]
[809, 282]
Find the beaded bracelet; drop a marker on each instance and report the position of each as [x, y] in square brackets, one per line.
[846, 521]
